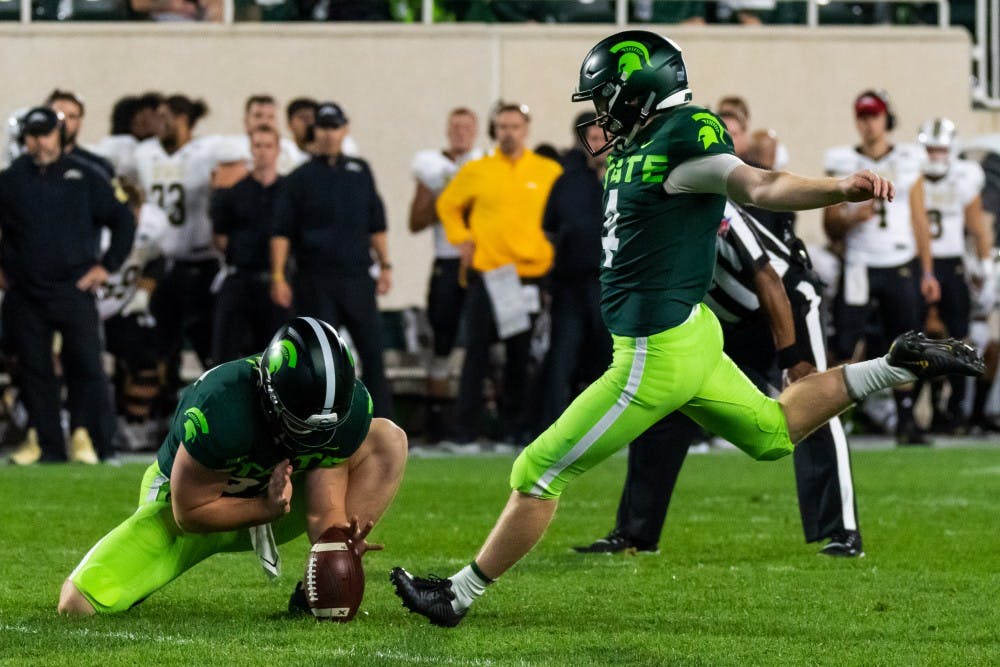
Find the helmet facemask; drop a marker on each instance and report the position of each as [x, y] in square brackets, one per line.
[618, 116]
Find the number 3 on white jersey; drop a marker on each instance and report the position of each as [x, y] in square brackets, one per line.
[609, 241]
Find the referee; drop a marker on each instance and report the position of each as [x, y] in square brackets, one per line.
[765, 296]
[53, 210]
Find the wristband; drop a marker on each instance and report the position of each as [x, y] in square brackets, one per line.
[277, 277]
[789, 356]
[386, 266]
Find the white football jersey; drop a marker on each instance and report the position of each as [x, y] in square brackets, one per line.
[118, 149]
[885, 239]
[180, 184]
[148, 246]
[434, 169]
[946, 199]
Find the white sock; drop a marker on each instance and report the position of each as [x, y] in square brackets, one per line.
[867, 377]
[467, 584]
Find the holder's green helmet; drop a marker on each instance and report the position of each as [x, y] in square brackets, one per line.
[307, 378]
[628, 76]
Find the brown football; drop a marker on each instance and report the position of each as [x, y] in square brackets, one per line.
[335, 578]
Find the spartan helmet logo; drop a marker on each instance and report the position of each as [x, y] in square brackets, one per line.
[279, 356]
[634, 56]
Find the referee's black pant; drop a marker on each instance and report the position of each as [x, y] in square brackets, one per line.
[349, 301]
[29, 326]
[822, 461]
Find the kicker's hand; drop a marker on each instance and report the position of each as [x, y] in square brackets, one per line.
[865, 185]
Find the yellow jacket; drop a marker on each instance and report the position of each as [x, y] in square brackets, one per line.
[503, 202]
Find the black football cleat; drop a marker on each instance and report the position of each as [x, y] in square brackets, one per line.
[613, 543]
[429, 597]
[930, 358]
[844, 545]
[298, 604]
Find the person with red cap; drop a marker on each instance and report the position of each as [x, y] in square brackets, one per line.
[887, 251]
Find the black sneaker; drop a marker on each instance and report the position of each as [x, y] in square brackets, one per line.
[927, 358]
[298, 604]
[844, 545]
[614, 542]
[429, 597]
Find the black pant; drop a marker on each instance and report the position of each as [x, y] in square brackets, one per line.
[955, 305]
[894, 296]
[349, 301]
[444, 304]
[132, 342]
[654, 462]
[480, 334]
[580, 345]
[822, 461]
[183, 305]
[245, 316]
[29, 326]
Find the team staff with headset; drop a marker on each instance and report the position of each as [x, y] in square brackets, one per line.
[53, 208]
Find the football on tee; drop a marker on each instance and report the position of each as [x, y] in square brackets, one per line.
[335, 578]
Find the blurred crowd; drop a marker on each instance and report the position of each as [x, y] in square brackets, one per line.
[208, 243]
[748, 12]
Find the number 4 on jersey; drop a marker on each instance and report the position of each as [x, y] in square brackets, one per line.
[609, 241]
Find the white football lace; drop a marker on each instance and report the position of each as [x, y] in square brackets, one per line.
[311, 592]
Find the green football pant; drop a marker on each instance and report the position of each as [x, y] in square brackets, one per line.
[148, 550]
[683, 368]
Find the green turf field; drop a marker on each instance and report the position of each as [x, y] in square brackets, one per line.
[733, 585]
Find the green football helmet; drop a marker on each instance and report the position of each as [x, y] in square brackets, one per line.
[628, 76]
[307, 379]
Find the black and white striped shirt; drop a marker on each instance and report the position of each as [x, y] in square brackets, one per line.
[743, 247]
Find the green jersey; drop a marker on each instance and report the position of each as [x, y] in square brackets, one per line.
[659, 248]
[220, 419]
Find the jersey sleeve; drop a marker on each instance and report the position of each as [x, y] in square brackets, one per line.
[284, 222]
[972, 180]
[697, 133]
[111, 212]
[454, 201]
[551, 218]
[206, 423]
[376, 209]
[838, 161]
[430, 169]
[353, 432]
[219, 212]
[709, 173]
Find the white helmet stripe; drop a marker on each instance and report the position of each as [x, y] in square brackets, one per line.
[331, 370]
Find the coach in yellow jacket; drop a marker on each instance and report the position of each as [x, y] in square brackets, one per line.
[492, 210]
